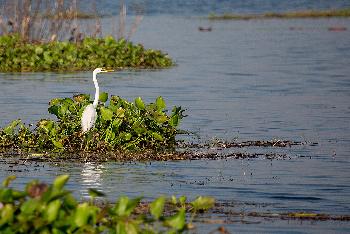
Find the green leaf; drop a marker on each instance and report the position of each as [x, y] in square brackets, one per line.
[95, 193]
[68, 101]
[6, 195]
[121, 206]
[120, 112]
[139, 103]
[6, 214]
[176, 116]
[82, 214]
[160, 103]
[55, 101]
[173, 200]
[47, 57]
[60, 181]
[62, 110]
[70, 201]
[30, 206]
[8, 180]
[116, 123]
[57, 144]
[174, 121]
[203, 203]
[129, 227]
[106, 113]
[125, 136]
[53, 110]
[157, 207]
[114, 100]
[157, 136]
[47, 125]
[103, 97]
[161, 118]
[177, 221]
[9, 129]
[182, 200]
[120, 228]
[52, 210]
[125, 206]
[109, 40]
[139, 129]
[39, 50]
[18, 194]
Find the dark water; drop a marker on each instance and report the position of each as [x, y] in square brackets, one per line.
[250, 80]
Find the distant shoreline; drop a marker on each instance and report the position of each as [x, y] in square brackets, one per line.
[284, 15]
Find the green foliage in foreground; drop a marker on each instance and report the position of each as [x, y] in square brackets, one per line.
[17, 55]
[120, 125]
[43, 208]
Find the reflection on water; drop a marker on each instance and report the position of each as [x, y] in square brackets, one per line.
[91, 175]
[246, 79]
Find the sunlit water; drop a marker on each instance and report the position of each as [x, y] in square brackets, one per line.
[245, 80]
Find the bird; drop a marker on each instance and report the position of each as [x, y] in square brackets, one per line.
[89, 115]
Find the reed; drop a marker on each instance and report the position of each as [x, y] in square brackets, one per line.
[61, 20]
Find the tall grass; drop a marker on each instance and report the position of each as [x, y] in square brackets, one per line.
[58, 20]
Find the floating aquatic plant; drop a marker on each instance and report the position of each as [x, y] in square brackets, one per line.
[17, 55]
[120, 125]
[284, 15]
[43, 208]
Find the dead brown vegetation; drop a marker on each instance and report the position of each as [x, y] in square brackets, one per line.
[58, 20]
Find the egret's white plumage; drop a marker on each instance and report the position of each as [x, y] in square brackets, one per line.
[89, 116]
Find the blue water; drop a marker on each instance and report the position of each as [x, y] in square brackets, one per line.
[245, 80]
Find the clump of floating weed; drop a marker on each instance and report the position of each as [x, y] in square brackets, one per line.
[120, 125]
[17, 55]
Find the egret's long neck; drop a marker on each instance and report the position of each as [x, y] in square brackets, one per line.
[97, 93]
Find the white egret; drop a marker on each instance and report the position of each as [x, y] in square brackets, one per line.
[89, 116]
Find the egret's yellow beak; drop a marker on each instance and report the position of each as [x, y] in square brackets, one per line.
[106, 70]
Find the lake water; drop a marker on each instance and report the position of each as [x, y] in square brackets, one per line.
[245, 80]
[204, 7]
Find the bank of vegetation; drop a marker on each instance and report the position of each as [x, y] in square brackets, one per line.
[284, 15]
[56, 36]
[18, 55]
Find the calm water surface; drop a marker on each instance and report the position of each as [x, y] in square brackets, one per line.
[245, 80]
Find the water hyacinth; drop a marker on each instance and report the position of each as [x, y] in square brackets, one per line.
[120, 125]
[17, 55]
[50, 208]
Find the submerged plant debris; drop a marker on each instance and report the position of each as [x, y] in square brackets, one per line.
[231, 212]
[120, 126]
[182, 151]
[236, 144]
[18, 55]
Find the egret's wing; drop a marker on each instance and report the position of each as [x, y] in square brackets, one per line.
[88, 118]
